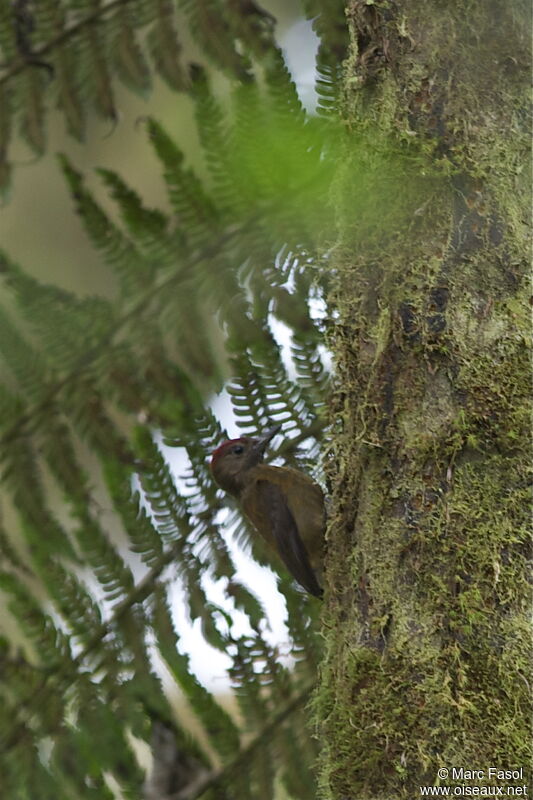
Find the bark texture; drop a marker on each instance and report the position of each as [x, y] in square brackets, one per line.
[427, 601]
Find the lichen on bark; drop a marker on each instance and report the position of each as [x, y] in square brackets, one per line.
[426, 619]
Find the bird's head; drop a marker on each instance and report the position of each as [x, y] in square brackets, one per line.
[233, 458]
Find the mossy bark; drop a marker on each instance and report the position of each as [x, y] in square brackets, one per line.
[427, 605]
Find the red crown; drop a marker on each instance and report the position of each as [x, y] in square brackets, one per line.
[221, 449]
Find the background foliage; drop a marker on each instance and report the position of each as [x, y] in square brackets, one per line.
[94, 531]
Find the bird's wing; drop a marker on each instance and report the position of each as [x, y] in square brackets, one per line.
[305, 500]
[286, 536]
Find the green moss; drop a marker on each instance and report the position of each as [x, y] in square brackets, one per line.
[426, 623]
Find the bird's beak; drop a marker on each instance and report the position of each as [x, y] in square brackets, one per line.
[260, 444]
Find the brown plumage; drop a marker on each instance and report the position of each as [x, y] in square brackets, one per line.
[285, 506]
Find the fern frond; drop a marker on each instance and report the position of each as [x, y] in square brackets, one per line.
[168, 507]
[100, 741]
[66, 324]
[10, 555]
[71, 599]
[69, 93]
[6, 114]
[175, 522]
[209, 27]
[199, 291]
[26, 364]
[51, 645]
[133, 271]
[71, 756]
[8, 33]
[127, 54]
[147, 227]
[23, 478]
[30, 87]
[57, 448]
[202, 494]
[238, 767]
[310, 369]
[143, 536]
[329, 23]
[213, 131]
[165, 48]
[113, 575]
[296, 774]
[23, 772]
[195, 210]
[252, 25]
[284, 103]
[85, 406]
[223, 732]
[95, 70]
[301, 623]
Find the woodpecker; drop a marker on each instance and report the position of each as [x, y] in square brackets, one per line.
[285, 506]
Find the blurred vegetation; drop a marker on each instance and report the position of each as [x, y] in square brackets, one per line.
[182, 301]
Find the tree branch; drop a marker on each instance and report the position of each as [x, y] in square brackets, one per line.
[18, 427]
[203, 784]
[20, 64]
[137, 595]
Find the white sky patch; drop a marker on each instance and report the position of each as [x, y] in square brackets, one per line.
[208, 664]
[223, 410]
[300, 45]
[317, 307]
[282, 335]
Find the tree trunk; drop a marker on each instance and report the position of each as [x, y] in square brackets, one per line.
[427, 628]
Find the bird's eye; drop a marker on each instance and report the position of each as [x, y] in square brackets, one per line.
[238, 449]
